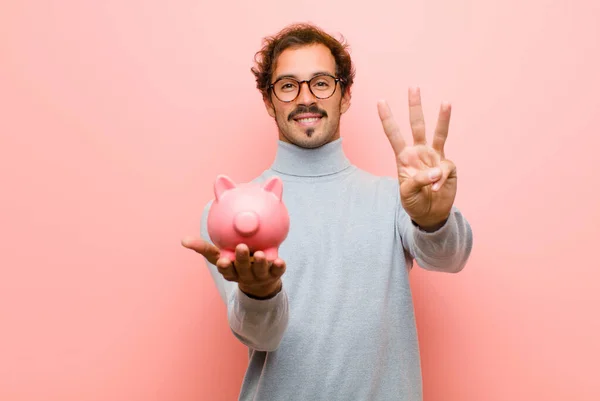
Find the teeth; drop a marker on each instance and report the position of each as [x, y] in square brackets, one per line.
[308, 120]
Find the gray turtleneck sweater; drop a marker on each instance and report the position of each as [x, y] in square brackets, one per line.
[343, 326]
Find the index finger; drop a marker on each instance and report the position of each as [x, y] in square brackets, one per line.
[208, 250]
[390, 127]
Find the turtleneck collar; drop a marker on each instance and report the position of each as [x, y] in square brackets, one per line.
[328, 159]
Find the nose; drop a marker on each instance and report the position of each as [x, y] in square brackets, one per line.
[305, 96]
[246, 223]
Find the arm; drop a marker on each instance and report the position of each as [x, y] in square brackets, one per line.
[444, 249]
[258, 320]
[432, 229]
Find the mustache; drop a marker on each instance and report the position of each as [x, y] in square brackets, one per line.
[305, 109]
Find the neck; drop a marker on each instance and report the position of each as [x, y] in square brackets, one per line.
[324, 160]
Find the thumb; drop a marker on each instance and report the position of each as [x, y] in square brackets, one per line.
[206, 249]
[421, 179]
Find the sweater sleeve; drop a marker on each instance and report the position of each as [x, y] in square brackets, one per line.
[258, 324]
[445, 250]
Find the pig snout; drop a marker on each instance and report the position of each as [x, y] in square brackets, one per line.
[246, 223]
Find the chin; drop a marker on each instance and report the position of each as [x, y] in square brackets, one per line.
[309, 141]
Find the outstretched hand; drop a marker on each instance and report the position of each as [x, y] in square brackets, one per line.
[427, 179]
[256, 277]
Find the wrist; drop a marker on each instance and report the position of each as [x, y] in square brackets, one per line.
[262, 292]
[429, 226]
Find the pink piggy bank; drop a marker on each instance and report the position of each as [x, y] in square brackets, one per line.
[249, 213]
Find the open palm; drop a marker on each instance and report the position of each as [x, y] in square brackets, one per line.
[427, 179]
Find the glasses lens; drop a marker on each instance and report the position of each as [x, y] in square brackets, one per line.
[322, 86]
[286, 89]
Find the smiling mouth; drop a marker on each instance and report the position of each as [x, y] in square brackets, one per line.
[307, 117]
[308, 121]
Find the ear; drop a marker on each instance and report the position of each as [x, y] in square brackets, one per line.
[345, 102]
[275, 186]
[222, 184]
[269, 106]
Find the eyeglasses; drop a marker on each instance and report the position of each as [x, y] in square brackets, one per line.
[321, 86]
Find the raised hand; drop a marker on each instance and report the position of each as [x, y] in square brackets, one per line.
[256, 277]
[427, 179]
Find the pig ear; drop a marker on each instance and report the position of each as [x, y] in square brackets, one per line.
[222, 184]
[275, 186]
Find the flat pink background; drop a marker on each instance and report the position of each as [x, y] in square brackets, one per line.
[116, 117]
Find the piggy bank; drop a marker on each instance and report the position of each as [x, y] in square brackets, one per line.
[249, 213]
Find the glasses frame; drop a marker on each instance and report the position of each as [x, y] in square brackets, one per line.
[307, 81]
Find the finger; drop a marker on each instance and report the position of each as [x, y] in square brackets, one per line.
[417, 120]
[208, 250]
[277, 268]
[421, 179]
[260, 267]
[390, 127]
[227, 270]
[441, 130]
[242, 263]
[448, 170]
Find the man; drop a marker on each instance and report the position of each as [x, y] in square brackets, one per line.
[332, 317]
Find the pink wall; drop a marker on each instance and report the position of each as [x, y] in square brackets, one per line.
[116, 116]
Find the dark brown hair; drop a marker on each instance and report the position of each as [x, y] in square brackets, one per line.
[298, 35]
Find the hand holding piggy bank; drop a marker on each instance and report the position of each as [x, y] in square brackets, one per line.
[251, 213]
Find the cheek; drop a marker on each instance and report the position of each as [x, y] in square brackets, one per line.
[282, 113]
[333, 111]
[334, 104]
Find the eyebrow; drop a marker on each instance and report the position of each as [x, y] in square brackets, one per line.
[296, 77]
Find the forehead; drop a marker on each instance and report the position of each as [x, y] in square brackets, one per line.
[304, 62]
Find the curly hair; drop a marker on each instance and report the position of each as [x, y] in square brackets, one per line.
[297, 35]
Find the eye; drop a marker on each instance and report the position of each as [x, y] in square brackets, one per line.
[321, 83]
[287, 85]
